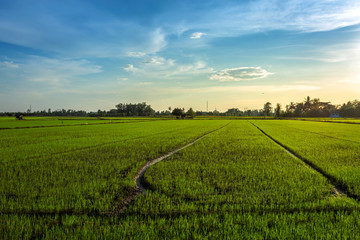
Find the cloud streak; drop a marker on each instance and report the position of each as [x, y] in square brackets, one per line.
[136, 54]
[103, 32]
[8, 64]
[197, 35]
[240, 74]
[56, 71]
[130, 68]
[262, 16]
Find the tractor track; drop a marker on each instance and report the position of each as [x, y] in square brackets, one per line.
[139, 177]
[338, 189]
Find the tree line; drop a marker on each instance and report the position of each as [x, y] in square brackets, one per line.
[307, 108]
[314, 108]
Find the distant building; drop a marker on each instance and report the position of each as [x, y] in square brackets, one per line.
[334, 115]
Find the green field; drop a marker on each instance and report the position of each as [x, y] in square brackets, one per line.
[333, 120]
[238, 181]
[31, 122]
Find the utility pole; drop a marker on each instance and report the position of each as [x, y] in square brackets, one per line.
[29, 110]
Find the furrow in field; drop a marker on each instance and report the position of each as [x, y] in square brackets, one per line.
[154, 214]
[140, 188]
[337, 188]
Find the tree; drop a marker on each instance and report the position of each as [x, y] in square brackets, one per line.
[307, 104]
[233, 112]
[190, 113]
[139, 109]
[216, 113]
[350, 109]
[278, 110]
[267, 109]
[178, 112]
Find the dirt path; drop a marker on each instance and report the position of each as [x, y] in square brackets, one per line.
[141, 189]
[139, 176]
[141, 172]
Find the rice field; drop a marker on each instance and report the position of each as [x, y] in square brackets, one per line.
[31, 122]
[237, 181]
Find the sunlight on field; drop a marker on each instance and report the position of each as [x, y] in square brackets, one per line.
[68, 180]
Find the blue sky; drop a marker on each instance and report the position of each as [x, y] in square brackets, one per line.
[93, 55]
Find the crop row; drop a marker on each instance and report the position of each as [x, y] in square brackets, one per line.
[21, 144]
[90, 180]
[333, 148]
[233, 183]
[35, 122]
[237, 181]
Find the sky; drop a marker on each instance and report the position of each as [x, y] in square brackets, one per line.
[90, 55]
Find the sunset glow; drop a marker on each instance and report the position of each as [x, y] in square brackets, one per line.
[92, 55]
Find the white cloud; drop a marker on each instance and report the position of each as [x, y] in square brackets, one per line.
[9, 64]
[198, 67]
[136, 54]
[156, 42]
[160, 61]
[122, 79]
[240, 74]
[157, 67]
[107, 35]
[293, 15]
[130, 68]
[197, 35]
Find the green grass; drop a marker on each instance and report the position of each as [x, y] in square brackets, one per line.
[62, 182]
[84, 168]
[333, 148]
[36, 122]
[333, 120]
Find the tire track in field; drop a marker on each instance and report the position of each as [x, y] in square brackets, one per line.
[339, 189]
[139, 177]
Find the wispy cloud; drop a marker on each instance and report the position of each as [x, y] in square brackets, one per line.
[55, 71]
[197, 35]
[261, 16]
[156, 60]
[136, 54]
[101, 32]
[156, 41]
[8, 64]
[240, 74]
[157, 67]
[198, 67]
[130, 68]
